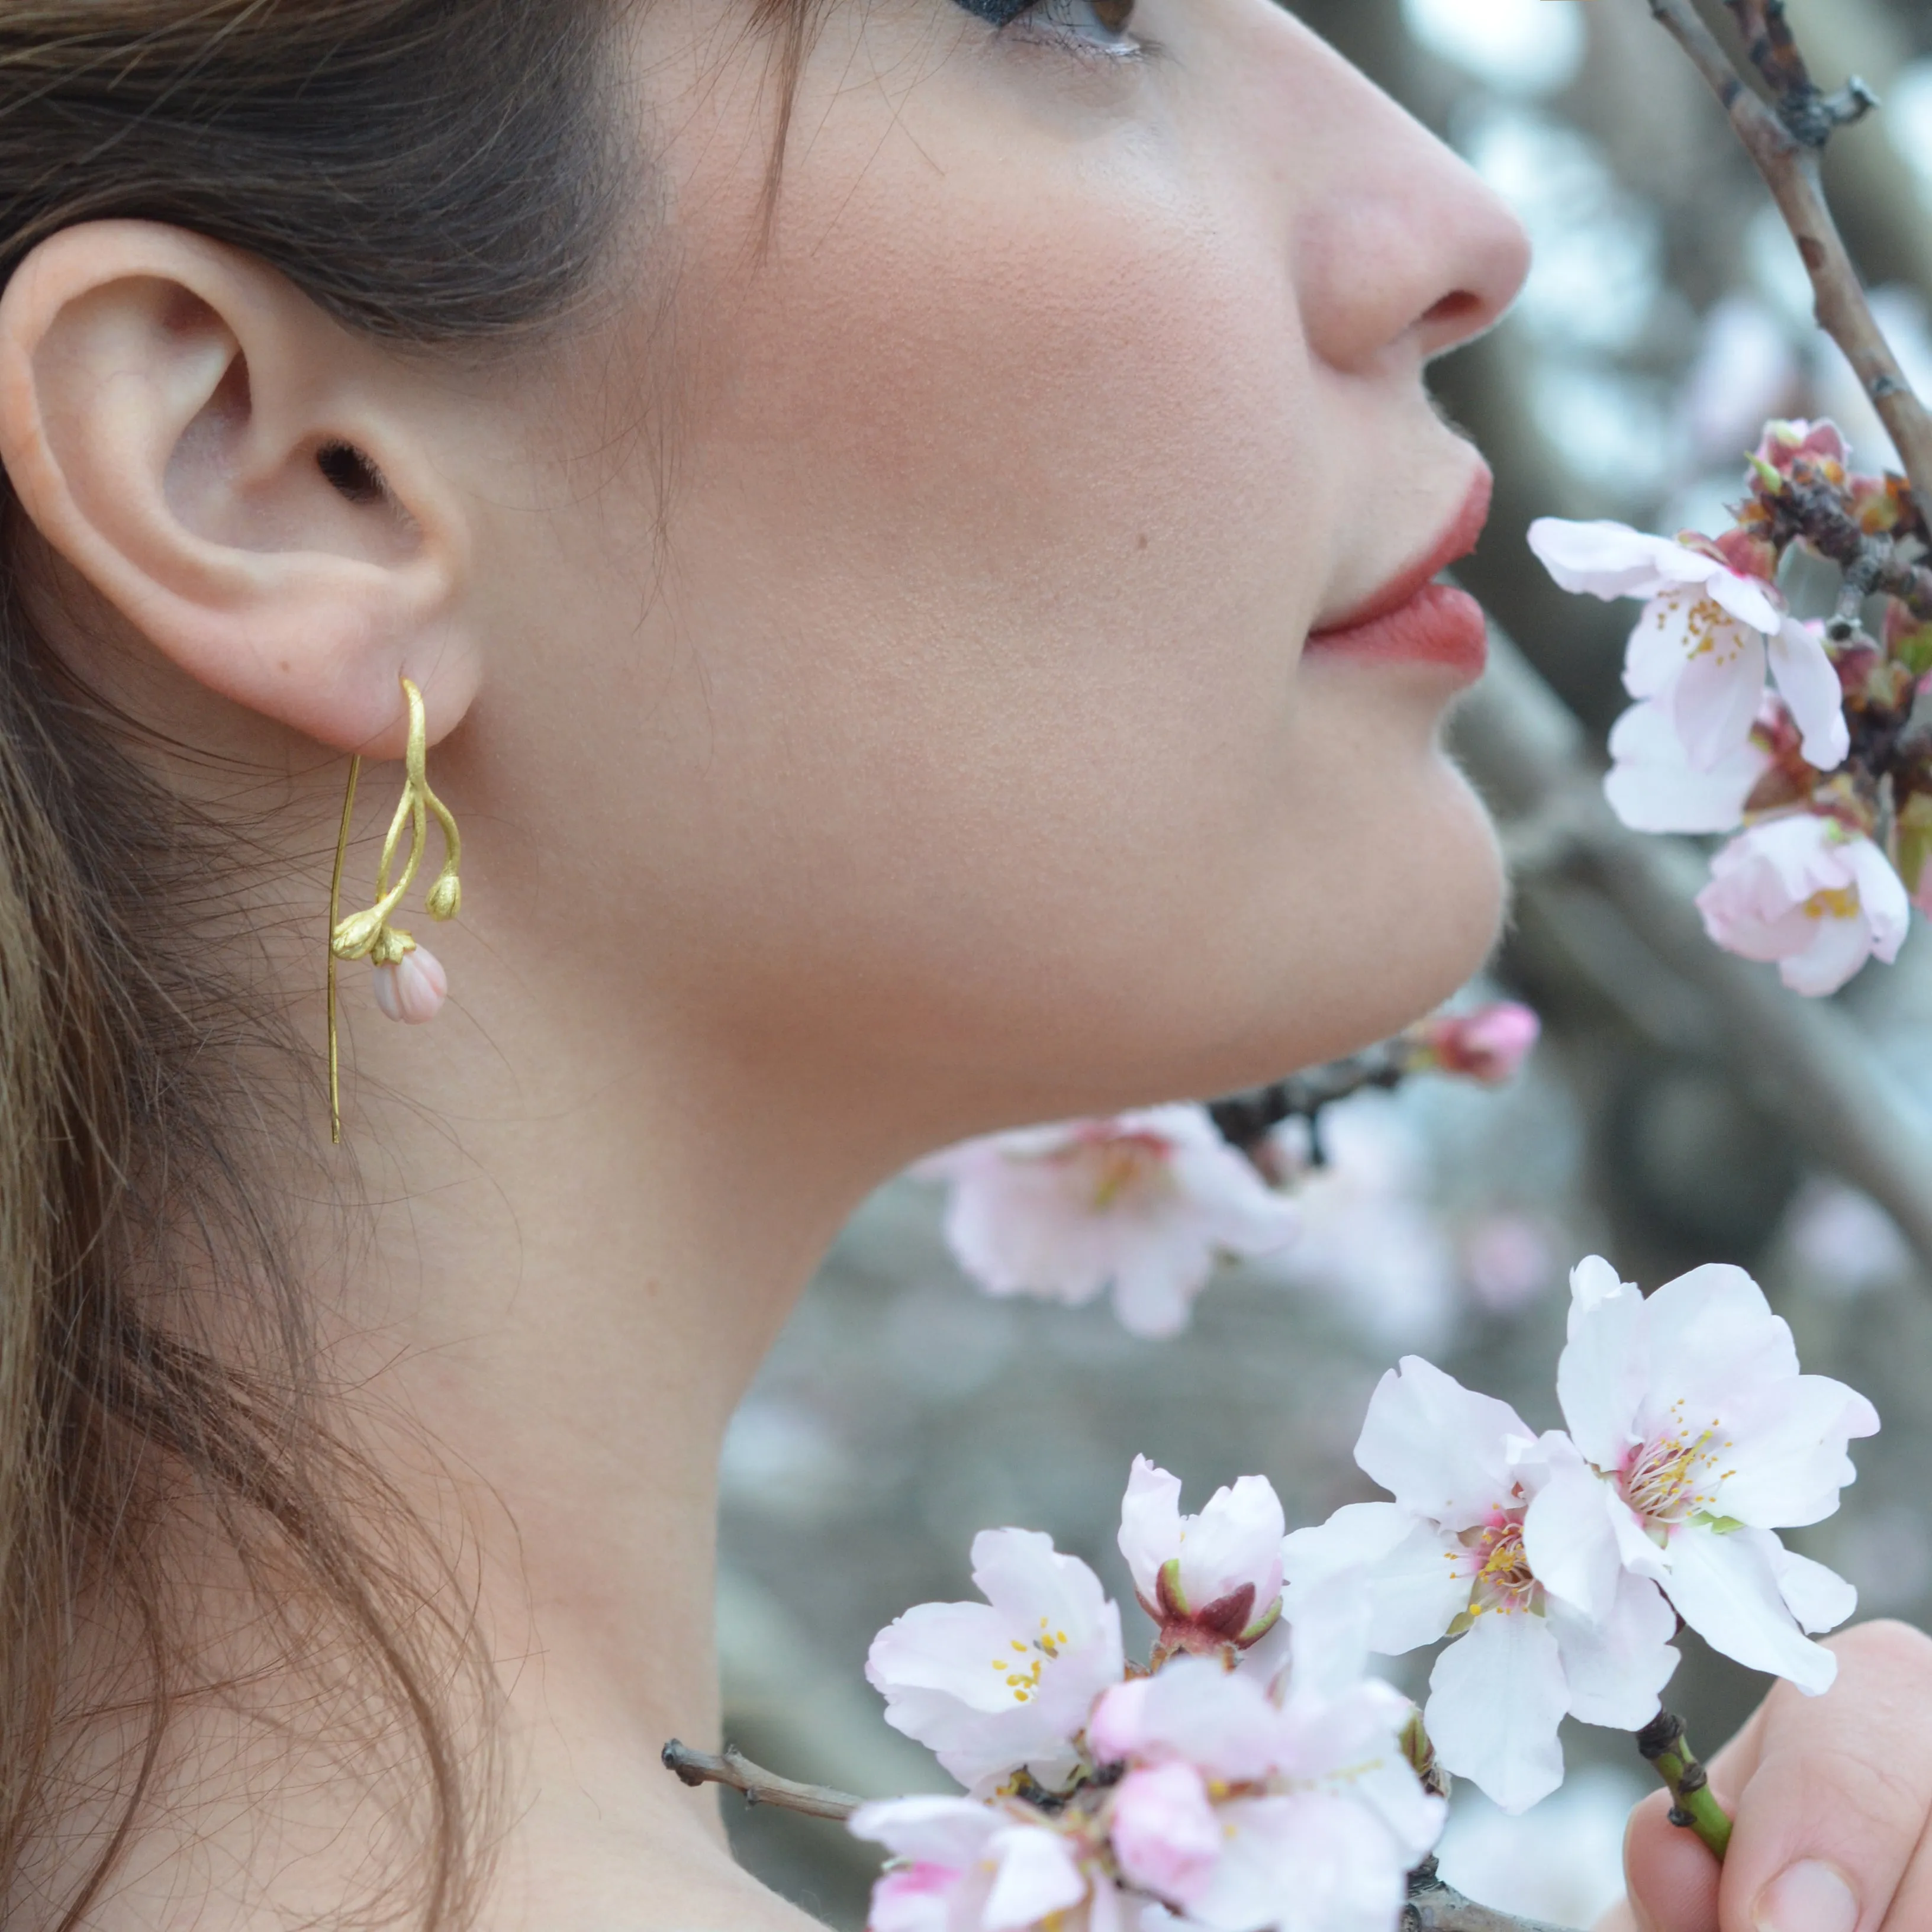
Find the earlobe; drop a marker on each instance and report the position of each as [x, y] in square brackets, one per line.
[245, 481]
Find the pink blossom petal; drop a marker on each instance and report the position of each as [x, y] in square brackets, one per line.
[1165, 1832]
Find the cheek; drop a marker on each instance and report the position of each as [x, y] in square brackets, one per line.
[995, 534]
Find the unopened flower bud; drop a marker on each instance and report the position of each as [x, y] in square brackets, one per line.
[446, 897]
[412, 988]
[356, 934]
[1490, 1045]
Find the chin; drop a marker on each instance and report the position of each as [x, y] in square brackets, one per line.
[1427, 922]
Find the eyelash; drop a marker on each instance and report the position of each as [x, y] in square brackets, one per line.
[1004, 14]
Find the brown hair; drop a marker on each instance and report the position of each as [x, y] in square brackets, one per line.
[432, 172]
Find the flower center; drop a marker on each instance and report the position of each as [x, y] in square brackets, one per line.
[1833, 902]
[1022, 1670]
[1501, 1579]
[1111, 1168]
[1709, 631]
[1674, 1476]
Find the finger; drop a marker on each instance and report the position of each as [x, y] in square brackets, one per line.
[1912, 1903]
[1671, 1876]
[1829, 1821]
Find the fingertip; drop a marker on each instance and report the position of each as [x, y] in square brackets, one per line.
[1672, 1878]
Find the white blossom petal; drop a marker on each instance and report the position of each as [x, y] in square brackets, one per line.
[1611, 560]
[1150, 1524]
[1399, 1568]
[1652, 786]
[1442, 1450]
[1568, 1537]
[938, 1831]
[1615, 1666]
[1713, 702]
[1820, 1599]
[1602, 1374]
[1807, 681]
[1039, 1875]
[1725, 1587]
[1496, 1697]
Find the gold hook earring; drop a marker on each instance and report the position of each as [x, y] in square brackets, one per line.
[410, 983]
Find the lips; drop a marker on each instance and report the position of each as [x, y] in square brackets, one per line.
[1412, 618]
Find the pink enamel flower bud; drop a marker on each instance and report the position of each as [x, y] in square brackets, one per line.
[413, 989]
[1490, 1045]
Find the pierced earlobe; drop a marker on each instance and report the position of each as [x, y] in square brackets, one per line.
[410, 983]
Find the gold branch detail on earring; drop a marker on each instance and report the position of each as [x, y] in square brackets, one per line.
[410, 983]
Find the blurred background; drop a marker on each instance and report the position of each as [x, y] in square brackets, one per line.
[1667, 316]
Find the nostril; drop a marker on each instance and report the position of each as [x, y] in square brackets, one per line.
[1458, 310]
[351, 472]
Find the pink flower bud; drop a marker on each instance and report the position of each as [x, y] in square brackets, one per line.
[1165, 1832]
[1490, 1045]
[414, 988]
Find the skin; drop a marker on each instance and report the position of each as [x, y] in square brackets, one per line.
[867, 657]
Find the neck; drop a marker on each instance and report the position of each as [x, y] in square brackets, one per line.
[596, 1226]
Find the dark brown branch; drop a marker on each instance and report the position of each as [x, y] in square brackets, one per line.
[736, 1772]
[1788, 161]
[1247, 1119]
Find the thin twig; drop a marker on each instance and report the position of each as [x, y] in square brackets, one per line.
[1693, 1805]
[736, 1772]
[1788, 161]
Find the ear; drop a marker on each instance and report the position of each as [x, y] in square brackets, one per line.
[247, 482]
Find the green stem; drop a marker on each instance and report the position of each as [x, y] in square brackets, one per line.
[1693, 1804]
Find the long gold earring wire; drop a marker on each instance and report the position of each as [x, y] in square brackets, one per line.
[368, 934]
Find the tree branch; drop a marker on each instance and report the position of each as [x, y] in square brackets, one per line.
[1434, 1906]
[1785, 155]
[736, 1772]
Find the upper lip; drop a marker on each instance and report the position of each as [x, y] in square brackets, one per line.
[1457, 540]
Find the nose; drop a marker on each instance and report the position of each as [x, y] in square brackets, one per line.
[1401, 251]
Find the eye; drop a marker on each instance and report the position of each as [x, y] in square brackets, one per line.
[1098, 23]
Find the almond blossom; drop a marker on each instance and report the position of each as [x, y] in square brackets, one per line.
[1709, 631]
[990, 1688]
[1454, 1555]
[1146, 1201]
[1652, 785]
[1244, 1810]
[1210, 1581]
[974, 1867]
[1699, 1438]
[1809, 893]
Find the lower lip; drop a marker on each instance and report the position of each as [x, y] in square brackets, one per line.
[1439, 625]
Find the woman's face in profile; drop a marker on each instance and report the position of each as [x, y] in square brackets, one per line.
[948, 531]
